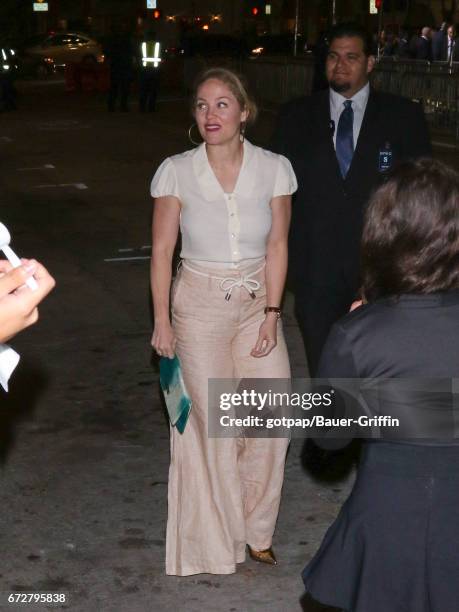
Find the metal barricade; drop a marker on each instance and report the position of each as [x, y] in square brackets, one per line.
[274, 80]
[434, 84]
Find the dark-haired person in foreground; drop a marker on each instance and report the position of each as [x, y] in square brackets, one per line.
[395, 543]
[341, 142]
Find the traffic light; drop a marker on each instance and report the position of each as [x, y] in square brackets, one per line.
[157, 14]
[379, 4]
[255, 11]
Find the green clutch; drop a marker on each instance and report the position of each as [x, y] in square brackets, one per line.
[178, 402]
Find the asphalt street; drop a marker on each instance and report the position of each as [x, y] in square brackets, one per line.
[83, 436]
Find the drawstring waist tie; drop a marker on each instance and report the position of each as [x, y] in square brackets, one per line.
[228, 283]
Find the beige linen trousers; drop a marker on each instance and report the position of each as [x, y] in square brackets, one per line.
[223, 493]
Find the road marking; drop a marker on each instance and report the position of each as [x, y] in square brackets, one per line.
[61, 124]
[41, 83]
[44, 167]
[125, 258]
[76, 185]
[146, 247]
[445, 145]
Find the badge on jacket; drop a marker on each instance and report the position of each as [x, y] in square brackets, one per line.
[385, 158]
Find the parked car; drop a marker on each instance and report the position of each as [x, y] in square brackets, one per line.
[59, 49]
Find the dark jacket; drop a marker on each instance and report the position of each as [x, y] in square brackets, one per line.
[438, 44]
[413, 338]
[423, 49]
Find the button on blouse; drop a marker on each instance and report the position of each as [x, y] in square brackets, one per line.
[218, 226]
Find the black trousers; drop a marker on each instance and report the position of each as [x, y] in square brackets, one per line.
[120, 85]
[316, 310]
[7, 94]
[148, 89]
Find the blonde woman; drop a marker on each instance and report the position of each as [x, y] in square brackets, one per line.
[231, 201]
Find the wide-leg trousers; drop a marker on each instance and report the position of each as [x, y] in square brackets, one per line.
[223, 493]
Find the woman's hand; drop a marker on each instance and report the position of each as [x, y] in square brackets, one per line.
[267, 336]
[163, 340]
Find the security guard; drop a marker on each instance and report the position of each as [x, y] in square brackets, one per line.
[150, 66]
[8, 69]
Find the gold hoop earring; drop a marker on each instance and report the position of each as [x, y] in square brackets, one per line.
[190, 137]
[242, 131]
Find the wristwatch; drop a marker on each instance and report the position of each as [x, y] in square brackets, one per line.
[275, 309]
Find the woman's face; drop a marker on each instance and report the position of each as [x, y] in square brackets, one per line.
[217, 113]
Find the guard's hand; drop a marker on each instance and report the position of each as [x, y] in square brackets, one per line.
[267, 336]
[355, 305]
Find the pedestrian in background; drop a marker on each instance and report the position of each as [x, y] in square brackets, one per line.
[8, 73]
[149, 71]
[389, 45]
[450, 50]
[231, 200]
[394, 545]
[438, 43]
[402, 48]
[424, 45]
[120, 53]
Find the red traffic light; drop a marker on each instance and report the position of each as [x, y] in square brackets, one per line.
[378, 4]
[156, 14]
[255, 11]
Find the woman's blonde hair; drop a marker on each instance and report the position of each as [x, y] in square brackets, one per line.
[236, 85]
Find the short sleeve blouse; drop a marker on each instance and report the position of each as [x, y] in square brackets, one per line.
[217, 226]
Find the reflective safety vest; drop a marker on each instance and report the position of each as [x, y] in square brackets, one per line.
[7, 62]
[151, 54]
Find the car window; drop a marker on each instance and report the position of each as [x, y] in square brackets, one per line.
[57, 40]
[70, 39]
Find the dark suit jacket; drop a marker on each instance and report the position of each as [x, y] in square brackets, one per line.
[423, 49]
[438, 43]
[328, 211]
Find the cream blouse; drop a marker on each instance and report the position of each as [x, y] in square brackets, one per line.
[217, 226]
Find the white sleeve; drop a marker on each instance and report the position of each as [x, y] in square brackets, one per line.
[285, 183]
[165, 182]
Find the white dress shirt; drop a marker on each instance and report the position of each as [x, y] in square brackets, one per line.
[359, 104]
[224, 227]
[450, 48]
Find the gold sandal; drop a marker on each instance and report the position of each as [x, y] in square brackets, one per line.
[263, 556]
